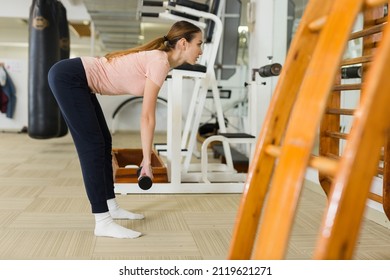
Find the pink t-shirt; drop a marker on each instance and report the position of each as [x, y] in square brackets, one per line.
[126, 74]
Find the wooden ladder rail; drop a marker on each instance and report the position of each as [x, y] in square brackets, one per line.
[374, 22]
[260, 170]
[358, 165]
[377, 18]
[314, 80]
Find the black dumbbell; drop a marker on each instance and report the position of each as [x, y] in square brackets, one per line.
[352, 72]
[270, 70]
[144, 182]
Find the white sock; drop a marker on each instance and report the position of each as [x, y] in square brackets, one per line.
[105, 226]
[119, 213]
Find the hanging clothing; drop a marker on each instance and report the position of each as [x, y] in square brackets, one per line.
[8, 89]
[3, 101]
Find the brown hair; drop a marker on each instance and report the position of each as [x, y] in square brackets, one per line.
[180, 29]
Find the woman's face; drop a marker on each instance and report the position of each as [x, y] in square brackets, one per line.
[194, 49]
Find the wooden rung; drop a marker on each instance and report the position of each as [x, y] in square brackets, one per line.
[375, 197]
[324, 165]
[371, 195]
[371, 45]
[334, 134]
[347, 87]
[316, 25]
[336, 157]
[357, 60]
[330, 155]
[367, 31]
[374, 3]
[273, 150]
[338, 111]
[381, 20]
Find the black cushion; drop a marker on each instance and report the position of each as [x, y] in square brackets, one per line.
[190, 4]
[190, 67]
[236, 135]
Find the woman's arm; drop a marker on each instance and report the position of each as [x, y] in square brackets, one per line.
[148, 123]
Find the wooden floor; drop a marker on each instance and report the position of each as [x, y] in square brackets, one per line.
[44, 213]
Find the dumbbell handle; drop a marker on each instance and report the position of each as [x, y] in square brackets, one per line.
[144, 182]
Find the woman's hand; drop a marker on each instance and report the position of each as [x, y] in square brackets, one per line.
[146, 171]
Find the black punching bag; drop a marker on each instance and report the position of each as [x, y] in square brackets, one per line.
[43, 112]
[64, 45]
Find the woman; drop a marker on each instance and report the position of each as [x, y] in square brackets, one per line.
[139, 71]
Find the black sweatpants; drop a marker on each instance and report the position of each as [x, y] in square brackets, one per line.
[87, 125]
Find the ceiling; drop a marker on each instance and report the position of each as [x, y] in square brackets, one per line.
[100, 25]
[121, 24]
[117, 23]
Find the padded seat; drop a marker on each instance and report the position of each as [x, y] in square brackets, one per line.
[190, 67]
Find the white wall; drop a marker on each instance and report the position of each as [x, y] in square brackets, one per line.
[14, 51]
[16, 67]
[76, 11]
[267, 44]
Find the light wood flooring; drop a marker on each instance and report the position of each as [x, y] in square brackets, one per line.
[44, 213]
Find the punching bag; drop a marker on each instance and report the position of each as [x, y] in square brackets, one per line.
[43, 112]
[64, 45]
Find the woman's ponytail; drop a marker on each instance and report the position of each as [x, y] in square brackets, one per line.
[180, 29]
